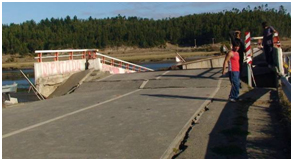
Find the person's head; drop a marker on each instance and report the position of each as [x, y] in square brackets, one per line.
[264, 24]
[236, 46]
[237, 34]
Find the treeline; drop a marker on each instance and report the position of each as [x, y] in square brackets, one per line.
[50, 34]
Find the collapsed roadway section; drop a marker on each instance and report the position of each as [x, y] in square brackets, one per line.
[137, 115]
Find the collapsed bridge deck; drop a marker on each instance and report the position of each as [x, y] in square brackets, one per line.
[139, 115]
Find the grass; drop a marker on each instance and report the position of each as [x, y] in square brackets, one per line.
[158, 56]
[286, 108]
[18, 65]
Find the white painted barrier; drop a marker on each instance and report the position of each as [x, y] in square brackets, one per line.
[53, 65]
[45, 69]
[211, 62]
[115, 70]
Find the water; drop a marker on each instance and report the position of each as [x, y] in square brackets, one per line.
[22, 95]
[11, 76]
[158, 65]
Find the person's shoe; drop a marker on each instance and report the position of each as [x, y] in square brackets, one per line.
[232, 100]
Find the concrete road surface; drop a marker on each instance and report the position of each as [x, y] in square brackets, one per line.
[140, 115]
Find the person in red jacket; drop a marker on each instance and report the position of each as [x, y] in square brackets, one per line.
[232, 61]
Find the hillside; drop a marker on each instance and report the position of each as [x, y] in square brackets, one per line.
[136, 32]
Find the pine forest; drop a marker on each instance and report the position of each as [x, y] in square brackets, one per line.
[74, 33]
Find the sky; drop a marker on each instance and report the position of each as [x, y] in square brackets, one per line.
[19, 12]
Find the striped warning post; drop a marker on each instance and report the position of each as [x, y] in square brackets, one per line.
[248, 48]
[249, 58]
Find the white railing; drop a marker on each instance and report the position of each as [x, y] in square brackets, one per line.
[55, 55]
[121, 63]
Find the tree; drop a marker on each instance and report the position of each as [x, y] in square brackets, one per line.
[55, 33]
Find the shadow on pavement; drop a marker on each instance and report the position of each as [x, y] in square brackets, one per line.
[184, 97]
[228, 139]
[201, 75]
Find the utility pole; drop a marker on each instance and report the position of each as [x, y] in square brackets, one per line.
[195, 43]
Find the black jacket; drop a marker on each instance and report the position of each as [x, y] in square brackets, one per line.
[240, 41]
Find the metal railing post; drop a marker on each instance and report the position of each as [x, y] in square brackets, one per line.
[94, 55]
[71, 56]
[89, 55]
[56, 56]
[112, 62]
[40, 57]
[83, 55]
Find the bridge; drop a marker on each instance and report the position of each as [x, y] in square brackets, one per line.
[142, 115]
[131, 115]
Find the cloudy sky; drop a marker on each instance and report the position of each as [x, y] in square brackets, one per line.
[18, 12]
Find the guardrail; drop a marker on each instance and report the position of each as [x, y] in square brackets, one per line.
[121, 63]
[210, 62]
[56, 55]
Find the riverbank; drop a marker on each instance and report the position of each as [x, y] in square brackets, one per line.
[155, 56]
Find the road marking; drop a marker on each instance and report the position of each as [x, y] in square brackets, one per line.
[177, 140]
[162, 74]
[66, 115]
[143, 84]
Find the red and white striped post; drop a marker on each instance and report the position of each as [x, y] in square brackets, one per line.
[249, 58]
[248, 48]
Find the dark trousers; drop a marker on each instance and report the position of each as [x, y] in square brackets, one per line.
[268, 49]
[241, 65]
